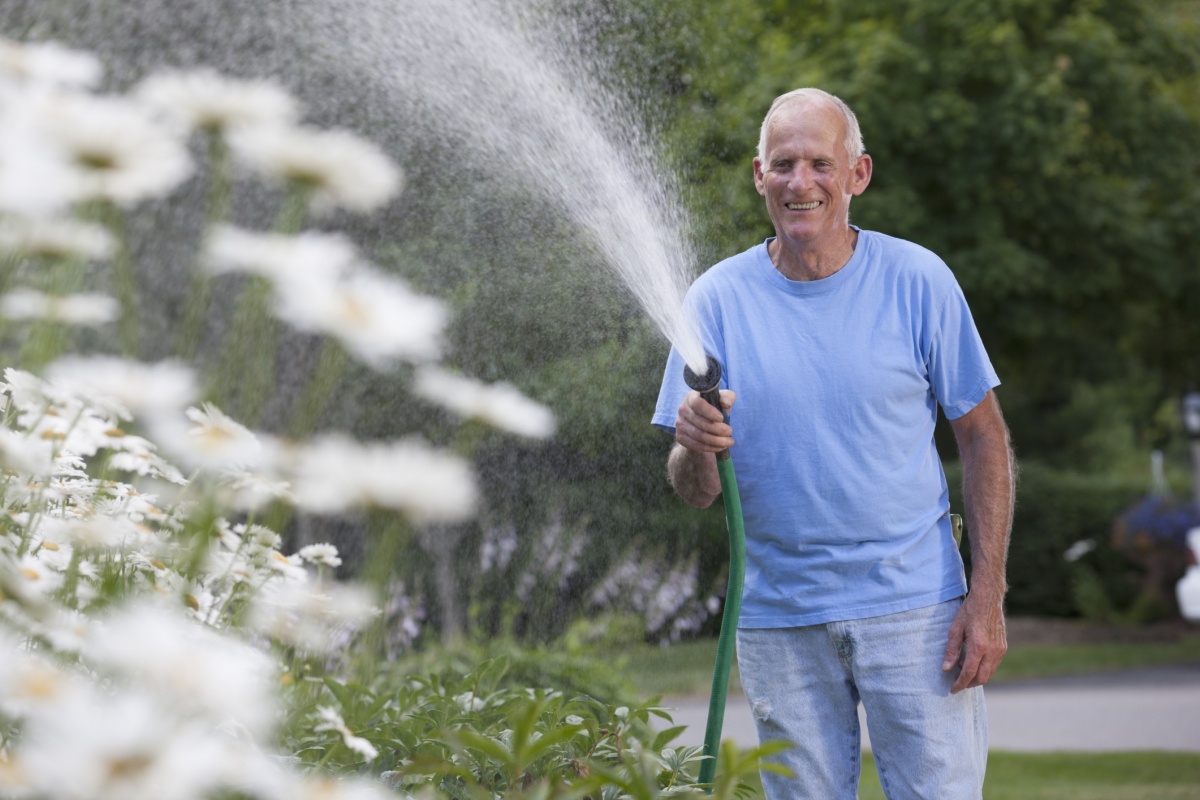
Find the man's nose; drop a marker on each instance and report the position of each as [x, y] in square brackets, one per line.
[801, 177]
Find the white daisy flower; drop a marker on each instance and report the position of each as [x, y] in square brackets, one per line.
[121, 385]
[191, 666]
[147, 465]
[33, 578]
[229, 538]
[35, 177]
[322, 256]
[55, 238]
[29, 684]
[259, 536]
[205, 99]
[30, 393]
[500, 404]
[47, 64]
[333, 473]
[121, 152]
[213, 439]
[290, 566]
[54, 555]
[310, 615]
[341, 169]
[322, 553]
[246, 490]
[376, 317]
[332, 721]
[121, 747]
[88, 308]
[104, 531]
[73, 430]
[24, 454]
[68, 631]
[290, 786]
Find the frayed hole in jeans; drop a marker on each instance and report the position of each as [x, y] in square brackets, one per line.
[761, 711]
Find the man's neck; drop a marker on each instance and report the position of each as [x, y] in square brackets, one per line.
[802, 261]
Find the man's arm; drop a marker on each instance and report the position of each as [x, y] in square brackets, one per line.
[700, 433]
[989, 490]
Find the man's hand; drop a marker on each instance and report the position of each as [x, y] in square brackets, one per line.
[702, 428]
[979, 625]
[700, 431]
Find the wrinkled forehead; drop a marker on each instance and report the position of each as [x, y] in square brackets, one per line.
[817, 119]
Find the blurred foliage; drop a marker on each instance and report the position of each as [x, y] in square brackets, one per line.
[1048, 151]
[599, 676]
[1058, 508]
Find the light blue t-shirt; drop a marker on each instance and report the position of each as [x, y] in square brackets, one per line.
[838, 381]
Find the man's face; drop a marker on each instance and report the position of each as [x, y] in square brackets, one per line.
[807, 177]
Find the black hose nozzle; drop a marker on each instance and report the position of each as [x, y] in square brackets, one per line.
[706, 385]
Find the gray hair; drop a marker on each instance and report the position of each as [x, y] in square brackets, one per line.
[854, 140]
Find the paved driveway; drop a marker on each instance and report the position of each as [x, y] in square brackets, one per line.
[1146, 709]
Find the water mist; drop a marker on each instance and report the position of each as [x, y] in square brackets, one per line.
[517, 101]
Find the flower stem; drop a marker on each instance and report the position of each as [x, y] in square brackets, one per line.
[322, 383]
[246, 370]
[220, 205]
[294, 209]
[124, 282]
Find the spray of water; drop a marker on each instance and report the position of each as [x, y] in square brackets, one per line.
[519, 101]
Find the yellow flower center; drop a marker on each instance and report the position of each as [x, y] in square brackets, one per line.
[122, 768]
[41, 685]
[353, 311]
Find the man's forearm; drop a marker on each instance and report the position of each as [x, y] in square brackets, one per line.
[989, 490]
[977, 635]
[694, 476]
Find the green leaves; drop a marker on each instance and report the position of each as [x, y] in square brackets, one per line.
[473, 738]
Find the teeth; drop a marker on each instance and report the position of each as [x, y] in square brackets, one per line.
[804, 206]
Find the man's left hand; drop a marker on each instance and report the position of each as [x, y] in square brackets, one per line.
[977, 637]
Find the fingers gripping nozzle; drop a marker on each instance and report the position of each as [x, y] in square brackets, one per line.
[706, 385]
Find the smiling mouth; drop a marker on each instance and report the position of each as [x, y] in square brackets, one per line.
[803, 206]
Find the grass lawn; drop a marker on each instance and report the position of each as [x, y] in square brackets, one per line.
[686, 669]
[1072, 776]
[1078, 776]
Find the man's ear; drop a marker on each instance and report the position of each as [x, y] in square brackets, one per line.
[861, 175]
[759, 183]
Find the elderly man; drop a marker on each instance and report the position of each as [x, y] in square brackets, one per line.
[840, 344]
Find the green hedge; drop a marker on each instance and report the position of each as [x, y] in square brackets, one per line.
[1055, 509]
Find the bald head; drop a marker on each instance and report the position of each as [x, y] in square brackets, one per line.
[814, 97]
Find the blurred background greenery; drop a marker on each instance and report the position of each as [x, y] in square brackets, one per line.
[1048, 150]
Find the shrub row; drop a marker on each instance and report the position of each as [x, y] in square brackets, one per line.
[1055, 509]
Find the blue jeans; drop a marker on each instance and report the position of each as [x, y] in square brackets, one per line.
[804, 685]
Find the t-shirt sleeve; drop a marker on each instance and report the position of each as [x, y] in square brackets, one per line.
[960, 371]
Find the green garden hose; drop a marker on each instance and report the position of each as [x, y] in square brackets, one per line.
[729, 620]
[706, 385]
